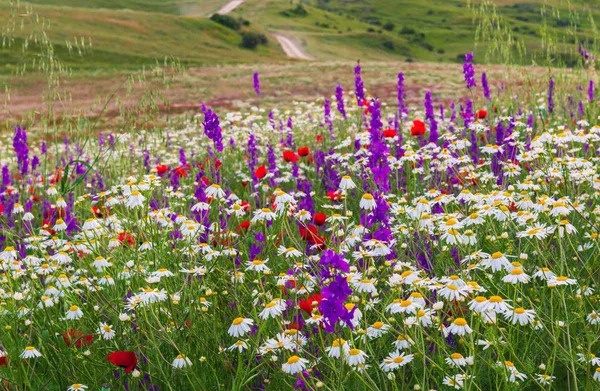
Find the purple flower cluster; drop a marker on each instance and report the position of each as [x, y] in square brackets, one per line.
[332, 306]
[551, 95]
[378, 162]
[339, 97]
[486, 87]
[21, 149]
[212, 129]
[359, 86]
[401, 93]
[256, 83]
[469, 71]
[430, 117]
[327, 115]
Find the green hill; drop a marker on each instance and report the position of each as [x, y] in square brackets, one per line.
[128, 39]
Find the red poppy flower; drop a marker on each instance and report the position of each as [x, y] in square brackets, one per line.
[127, 360]
[309, 233]
[389, 133]
[418, 128]
[481, 114]
[319, 218]
[77, 337]
[261, 172]
[181, 172]
[4, 363]
[1, 208]
[244, 225]
[290, 156]
[126, 237]
[205, 180]
[319, 138]
[244, 183]
[307, 304]
[334, 195]
[245, 206]
[304, 151]
[161, 169]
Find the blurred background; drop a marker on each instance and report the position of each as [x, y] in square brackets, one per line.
[61, 56]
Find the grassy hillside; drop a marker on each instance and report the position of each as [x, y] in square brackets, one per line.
[128, 39]
[446, 28]
[176, 7]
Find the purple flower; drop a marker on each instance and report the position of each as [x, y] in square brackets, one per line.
[486, 87]
[591, 91]
[21, 149]
[430, 117]
[359, 86]
[331, 260]
[256, 83]
[401, 94]
[339, 97]
[327, 115]
[332, 306]
[212, 129]
[551, 95]
[469, 71]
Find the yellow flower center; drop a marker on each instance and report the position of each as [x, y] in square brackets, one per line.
[237, 321]
[460, 322]
[293, 360]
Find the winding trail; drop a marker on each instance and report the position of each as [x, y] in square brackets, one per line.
[290, 45]
[292, 48]
[227, 8]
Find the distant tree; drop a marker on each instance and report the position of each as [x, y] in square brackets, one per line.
[389, 26]
[251, 40]
[227, 21]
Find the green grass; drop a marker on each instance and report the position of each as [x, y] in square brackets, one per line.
[176, 7]
[127, 40]
[446, 28]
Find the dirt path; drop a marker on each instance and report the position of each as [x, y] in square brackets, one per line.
[227, 8]
[292, 48]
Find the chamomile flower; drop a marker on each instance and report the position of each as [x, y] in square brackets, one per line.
[516, 276]
[458, 360]
[367, 202]
[337, 347]
[74, 313]
[459, 327]
[106, 331]
[181, 361]
[77, 387]
[272, 309]
[520, 315]
[346, 183]
[240, 326]
[377, 329]
[294, 365]
[561, 280]
[30, 352]
[395, 360]
[135, 199]
[214, 191]
[355, 357]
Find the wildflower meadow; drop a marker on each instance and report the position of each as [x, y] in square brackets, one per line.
[358, 241]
